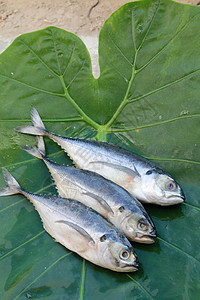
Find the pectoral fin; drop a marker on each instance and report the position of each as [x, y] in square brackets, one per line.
[101, 201]
[80, 230]
[126, 170]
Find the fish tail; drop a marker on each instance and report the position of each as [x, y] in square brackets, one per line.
[12, 186]
[37, 128]
[36, 120]
[38, 151]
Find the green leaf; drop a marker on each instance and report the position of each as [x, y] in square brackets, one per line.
[146, 100]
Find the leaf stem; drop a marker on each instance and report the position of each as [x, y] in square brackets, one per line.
[101, 134]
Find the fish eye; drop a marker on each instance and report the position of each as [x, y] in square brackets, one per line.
[103, 238]
[142, 225]
[124, 254]
[149, 172]
[122, 208]
[170, 186]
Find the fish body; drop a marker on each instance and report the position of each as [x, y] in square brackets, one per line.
[80, 229]
[103, 195]
[140, 177]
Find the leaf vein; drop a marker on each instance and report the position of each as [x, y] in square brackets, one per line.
[16, 203]
[192, 206]
[133, 31]
[174, 159]
[141, 287]
[21, 245]
[42, 274]
[31, 160]
[56, 51]
[149, 27]
[163, 87]
[32, 87]
[178, 249]
[75, 119]
[153, 124]
[167, 44]
[114, 68]
[81, 293]
[39, 58]
[67, 87]
[72, 53]
[121, 52]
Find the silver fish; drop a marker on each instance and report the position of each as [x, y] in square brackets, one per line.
[80, 229]
[139, 176]
[103, 195]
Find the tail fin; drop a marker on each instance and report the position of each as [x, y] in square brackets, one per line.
[36, 120]
[38, 151]
[37, 128]
[12, 186]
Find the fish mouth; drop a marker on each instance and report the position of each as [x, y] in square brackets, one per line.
[136, 264]
[128, 268]
[131, 267]
[182, 196]
[174, 199]
[146, 238]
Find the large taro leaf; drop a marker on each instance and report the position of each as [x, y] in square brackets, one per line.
[146, 100]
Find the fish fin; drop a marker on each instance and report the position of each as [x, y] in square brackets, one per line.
[41, 145]
[32, 151]
[80, 230]
[29, 130]
[38, 151]
[12, 186]
[126, 170]
[36, 120]
[37, 128]
[101, 201]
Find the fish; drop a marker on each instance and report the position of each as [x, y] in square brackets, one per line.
[140, 177]
[103, 195]
[79, 229]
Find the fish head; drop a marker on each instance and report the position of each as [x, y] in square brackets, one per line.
[118, 254]
[134, 222]
[140, 228]
[161, 189]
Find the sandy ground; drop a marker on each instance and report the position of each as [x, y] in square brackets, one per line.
[79, 17]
